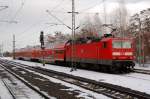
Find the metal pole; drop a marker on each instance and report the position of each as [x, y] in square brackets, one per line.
[43, 50]
[143, 57]
[1, 51]
[42, 47]
[139, 42]
[14, 56]
[73, 36]
[139, 50]
[105, 18]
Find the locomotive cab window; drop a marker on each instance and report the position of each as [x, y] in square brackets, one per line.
[104, 44]
[122, 44]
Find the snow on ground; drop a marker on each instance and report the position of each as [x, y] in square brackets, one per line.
[138, 76]
[134, 81]
[4, 93]
[82, 92]
[20, 90]
[144, 67]
[25, 91]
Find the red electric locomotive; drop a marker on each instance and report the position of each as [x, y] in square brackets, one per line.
[108, 53]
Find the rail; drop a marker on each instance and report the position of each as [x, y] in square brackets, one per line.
[26, 83]
[142, 71]
[9, 89]
[110, 90]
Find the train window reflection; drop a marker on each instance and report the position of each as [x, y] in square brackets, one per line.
[121, 44]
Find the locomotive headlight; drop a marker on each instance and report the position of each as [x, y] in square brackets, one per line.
[128, 53]
[116, 53]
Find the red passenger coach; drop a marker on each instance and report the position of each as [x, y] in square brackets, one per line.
[24, 55]
[47, 53]
[59, 53]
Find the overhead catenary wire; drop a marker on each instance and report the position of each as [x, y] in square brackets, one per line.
[24, 35]
[3, 7]
[57, 6]
[12, 19]
[32, 26]
[7, 21]
[29, 28]
[86, 9]
[65, 12]
[53, 9]
[15, 16]
[58, 19]
[82, 11]
[18, 11]
[63, 8]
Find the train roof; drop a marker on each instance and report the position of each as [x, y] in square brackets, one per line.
[115, 38]
[59, 46]
[120, 38]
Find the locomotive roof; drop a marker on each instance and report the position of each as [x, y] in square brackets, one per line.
[115, 38]
[119, 38]
[59, 46]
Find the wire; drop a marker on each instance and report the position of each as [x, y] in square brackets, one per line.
[90, 12]
[57, 19]
[62, 12]
[57, 5]
[33, 25]
[5, 16]
[83, 10]
[19, 10]
[8, 21]
[3, 7]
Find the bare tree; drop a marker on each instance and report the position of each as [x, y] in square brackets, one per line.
[119, 18]
[140, 28]
[91, 27]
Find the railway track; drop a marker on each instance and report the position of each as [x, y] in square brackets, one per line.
[142, 71]
[9, 89]
[25, 82]
[109, 90]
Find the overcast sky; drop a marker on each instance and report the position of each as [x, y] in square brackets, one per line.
[31, 17]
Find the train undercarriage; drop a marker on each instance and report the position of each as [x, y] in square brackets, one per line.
[116, 66]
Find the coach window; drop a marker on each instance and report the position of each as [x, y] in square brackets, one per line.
[104, 44]
[59, 51]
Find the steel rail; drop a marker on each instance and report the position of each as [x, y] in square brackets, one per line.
[115, 88]
[26, 83]
[9, 89]
[31, 68]
[142, 71]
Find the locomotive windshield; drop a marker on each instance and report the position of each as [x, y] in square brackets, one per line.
[121, 44]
